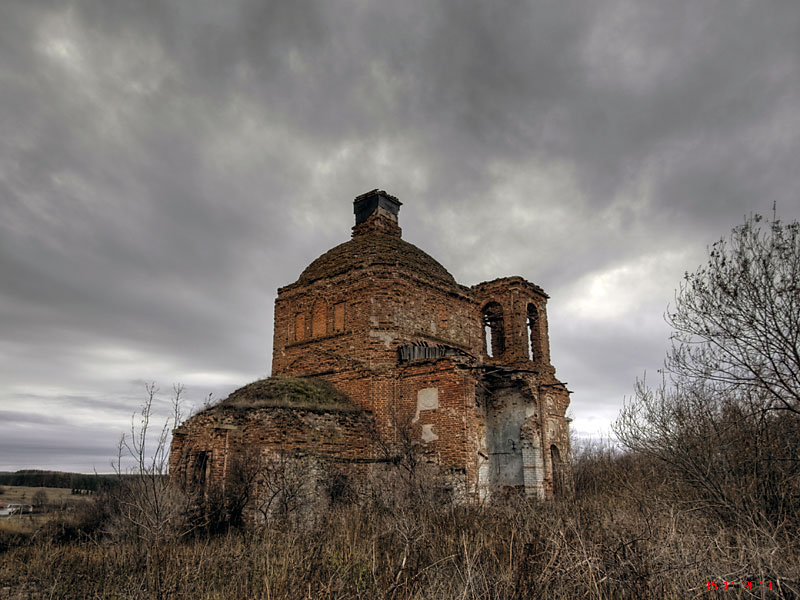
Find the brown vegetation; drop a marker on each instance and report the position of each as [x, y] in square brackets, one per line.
[57, 497]
[620, 536]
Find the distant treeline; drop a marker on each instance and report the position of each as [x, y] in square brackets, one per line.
[58, 479]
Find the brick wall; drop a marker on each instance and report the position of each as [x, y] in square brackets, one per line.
[219, 433]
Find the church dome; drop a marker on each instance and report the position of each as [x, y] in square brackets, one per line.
[377, 250]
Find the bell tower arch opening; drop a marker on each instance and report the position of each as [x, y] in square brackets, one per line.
[534, 333]
[493, 330]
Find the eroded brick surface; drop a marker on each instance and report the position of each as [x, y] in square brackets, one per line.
[388, 325]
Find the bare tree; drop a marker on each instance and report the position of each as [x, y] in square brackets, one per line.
[40, 499]
[150, 509]
[736, 320]
[149, 501]
[725, 420]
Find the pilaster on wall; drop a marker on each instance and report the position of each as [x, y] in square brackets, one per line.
[533, 466]
[482, 484]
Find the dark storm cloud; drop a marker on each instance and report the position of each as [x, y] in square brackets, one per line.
[164, 166]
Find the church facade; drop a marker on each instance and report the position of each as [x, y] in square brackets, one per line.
[463, 371]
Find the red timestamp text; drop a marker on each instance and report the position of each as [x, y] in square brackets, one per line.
[750, 585]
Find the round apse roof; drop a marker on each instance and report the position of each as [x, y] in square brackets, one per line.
[376, 250]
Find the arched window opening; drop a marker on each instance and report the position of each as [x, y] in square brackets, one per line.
[199, 472]
[558, 471]
[493, 330]
[534, 339]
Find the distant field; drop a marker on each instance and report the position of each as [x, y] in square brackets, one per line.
[23, 494]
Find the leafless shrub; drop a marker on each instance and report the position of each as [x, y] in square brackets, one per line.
[407, 473]
[594, 467]
[40, 499]
[727, 456]
[282, 485]
[726, 423]
[147, 508]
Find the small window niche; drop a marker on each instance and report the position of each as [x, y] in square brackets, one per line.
[299, 327]
[319, 317]
[338, 317]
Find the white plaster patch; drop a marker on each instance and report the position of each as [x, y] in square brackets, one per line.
[427, 399]
[530, 411]
[483, 477]
[428, 435]
[384, 336]
[533, 468]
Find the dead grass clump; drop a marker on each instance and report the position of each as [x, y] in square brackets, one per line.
[14, 532]
[289, 392]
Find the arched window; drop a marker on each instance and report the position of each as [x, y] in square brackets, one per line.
[493, 330]
[199, 475]
[558, 471]
[534, 337]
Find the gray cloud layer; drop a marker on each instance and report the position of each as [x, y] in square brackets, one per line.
[164, 167]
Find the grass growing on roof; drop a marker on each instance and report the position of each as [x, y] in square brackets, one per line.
[289, 392]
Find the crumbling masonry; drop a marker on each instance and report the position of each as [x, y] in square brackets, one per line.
[463, 370]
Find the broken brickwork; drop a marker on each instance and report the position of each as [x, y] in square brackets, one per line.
[464, 370]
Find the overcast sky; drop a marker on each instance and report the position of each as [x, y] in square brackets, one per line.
[165, 166]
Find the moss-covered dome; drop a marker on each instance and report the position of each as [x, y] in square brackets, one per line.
[288, 392]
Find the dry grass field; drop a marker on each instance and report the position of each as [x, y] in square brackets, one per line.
[50, 503]
[622, 534]
[22, 494]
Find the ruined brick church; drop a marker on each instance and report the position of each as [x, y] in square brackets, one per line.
[463, 371]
